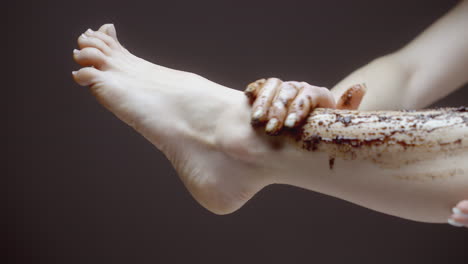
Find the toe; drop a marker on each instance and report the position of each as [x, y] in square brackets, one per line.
[109, 29]
[86, 76]
[86, 41]
[90, 57]
[110, 42]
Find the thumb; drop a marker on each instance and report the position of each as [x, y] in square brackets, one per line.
[351, 98]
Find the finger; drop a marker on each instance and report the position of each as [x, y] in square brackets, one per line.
[463, 206]
[459, 215]
[252, 89]
[263, 101]
[351, 98]
[279, 107]
[461, 218]
[308, 98]
[458, 220]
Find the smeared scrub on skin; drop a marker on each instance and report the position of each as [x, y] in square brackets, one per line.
[331, 162]
[351, 98]
[388, 138]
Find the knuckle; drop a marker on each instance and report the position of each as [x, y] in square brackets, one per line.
[285, 100]
[324, 89]
[294, 83]
[324, 92]
[273, 79]
[299, 105]
[309, 89]
[307, 93]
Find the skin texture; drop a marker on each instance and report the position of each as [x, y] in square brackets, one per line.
[276, 101]
[413, 77]
[205, 139]
[419, 73]
[288, 104]
[405, 147]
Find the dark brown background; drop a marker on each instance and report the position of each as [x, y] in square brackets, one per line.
[85, 188]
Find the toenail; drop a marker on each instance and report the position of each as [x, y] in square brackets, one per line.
[74, 72]
[84, 36]
[454, 223]
[89, 31]
[75, 51]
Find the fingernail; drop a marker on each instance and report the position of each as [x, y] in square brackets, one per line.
[84, 36]
[279, 104]
[75, 51]
[249, 89]
[458, 212]
[454, 223]
[272, 124]
[89, 31]
[257, 114]
[291, 120]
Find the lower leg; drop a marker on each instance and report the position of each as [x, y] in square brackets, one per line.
[221, 159]
[408, 164]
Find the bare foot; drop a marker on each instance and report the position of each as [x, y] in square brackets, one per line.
[167, 107]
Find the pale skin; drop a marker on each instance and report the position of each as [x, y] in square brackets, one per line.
[223, 161]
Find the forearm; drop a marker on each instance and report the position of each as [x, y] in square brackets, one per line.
[386, 79]
[427, 69]
[438, 58]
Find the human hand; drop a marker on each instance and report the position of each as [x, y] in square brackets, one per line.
[288, 104]
[459, 217]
